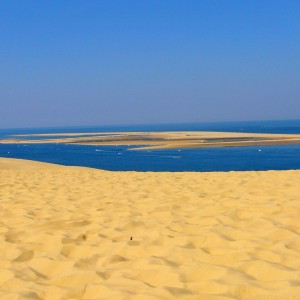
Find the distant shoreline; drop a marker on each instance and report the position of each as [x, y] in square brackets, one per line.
[159, 140]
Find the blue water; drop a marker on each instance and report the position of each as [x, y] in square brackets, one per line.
[120, 158]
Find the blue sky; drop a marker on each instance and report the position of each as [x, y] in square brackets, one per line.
[70, 62]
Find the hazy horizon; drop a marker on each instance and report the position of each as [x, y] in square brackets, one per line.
[57, 126]
[97, 63]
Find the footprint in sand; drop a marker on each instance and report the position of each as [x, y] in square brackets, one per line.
[25, 256]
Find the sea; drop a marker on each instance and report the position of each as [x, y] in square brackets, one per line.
[120, 158]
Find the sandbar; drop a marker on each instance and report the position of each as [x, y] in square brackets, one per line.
[159, 140]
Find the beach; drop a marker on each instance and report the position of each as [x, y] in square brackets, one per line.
[82, 233]
[158, 140]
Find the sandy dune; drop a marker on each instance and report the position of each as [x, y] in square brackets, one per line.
[79, 233]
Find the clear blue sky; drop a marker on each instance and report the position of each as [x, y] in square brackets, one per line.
[70, 62]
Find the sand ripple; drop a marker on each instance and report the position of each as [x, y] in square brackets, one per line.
[78, 233]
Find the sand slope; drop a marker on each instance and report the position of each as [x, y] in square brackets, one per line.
[79, 233]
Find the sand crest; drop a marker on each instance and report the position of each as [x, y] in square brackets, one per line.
[79, 233]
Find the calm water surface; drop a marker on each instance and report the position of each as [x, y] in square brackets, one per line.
[121, 159]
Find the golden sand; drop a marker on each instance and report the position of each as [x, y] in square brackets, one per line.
[79, 233]
[161, 140]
